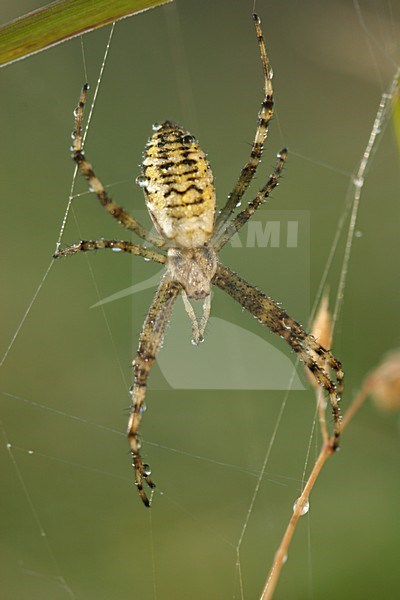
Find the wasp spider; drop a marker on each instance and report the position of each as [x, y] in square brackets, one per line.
[179, 190]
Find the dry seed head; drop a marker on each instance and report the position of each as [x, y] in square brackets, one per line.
[322, 331]
[384, 383]
[322, 325]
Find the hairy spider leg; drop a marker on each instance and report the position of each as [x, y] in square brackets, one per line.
[95, 185]
[241, 218]
[151, 338]
[269, 313]
[264, 117]
[116, 245]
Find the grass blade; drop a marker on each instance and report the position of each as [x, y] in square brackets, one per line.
[60, 21]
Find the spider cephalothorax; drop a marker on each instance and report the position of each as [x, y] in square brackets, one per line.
[179, 189]
[194, 269]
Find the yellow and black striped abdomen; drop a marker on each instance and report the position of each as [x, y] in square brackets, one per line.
[179, 186]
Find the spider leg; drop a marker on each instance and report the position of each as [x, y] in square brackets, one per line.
[116, 245]
[95, 185]
[269, 313]
[151, 338]
[242, 217]
[264, 117]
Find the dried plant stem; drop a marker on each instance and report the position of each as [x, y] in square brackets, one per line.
[280, 556]
[325, 453]
[384, 109]
[357, 402]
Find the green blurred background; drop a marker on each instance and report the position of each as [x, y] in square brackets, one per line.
[64, 383]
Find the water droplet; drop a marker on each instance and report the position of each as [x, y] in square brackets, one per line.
[271, 72]
[358, 182]
[358, 233]
[8, 446]
[142, 181]
[146, 470]
[146, 259]
[238, 204]
[116, 249]
[305, 508]
[188, 139]
[156, 126]
[30, 452]
[142, 408]
[284, 559]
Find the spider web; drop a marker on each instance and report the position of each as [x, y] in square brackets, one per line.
[228, 464]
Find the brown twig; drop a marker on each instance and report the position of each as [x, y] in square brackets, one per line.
[281, 554]
[384, 383]
[300, 507]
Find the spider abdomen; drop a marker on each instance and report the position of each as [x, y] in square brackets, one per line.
[179, 186]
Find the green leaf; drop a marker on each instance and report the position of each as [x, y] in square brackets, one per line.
[61, 20]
